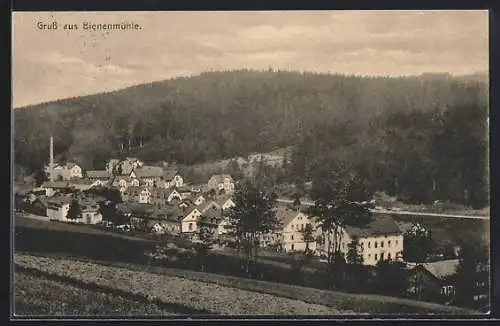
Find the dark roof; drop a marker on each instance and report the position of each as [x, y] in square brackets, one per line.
[149, 171]
[285, 215]
[219, 178]
[379, 226]
[443, 268]
[98, 174]
[60, 200]
[57, 184]
[169, 174]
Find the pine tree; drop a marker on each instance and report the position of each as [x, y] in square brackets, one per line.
[252, 216]
[74, 210]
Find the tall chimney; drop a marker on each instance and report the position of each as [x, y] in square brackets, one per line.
[51, 159]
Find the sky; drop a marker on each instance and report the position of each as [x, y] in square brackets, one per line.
[54, 64]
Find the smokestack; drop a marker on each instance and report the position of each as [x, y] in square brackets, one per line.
[51, 158]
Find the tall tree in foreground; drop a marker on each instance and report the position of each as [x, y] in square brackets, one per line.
[252, 216]
[206, 235]
[338, 192]
[417, 244]
[308, 237]
[74, 210]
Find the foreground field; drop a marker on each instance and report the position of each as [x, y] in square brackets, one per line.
[36, 295]
[225, 290]
[206, 298]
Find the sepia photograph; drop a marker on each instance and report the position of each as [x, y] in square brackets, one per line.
[218, 164]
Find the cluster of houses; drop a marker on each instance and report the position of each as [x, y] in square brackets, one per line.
[156, 198]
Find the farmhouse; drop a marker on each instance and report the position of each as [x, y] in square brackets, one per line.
[58, 207]
[293, 223]
[433, 281]
[199, 200]
[225, 203]
[148, 175]
[52, 188]
[172, 178]
[101, 175]
[123, 182]
[90, 213]
[221, 183]
[189, 220]
[381, 239]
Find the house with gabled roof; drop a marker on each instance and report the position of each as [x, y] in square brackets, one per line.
[433, 280]
[290, 236]
[221, 183]
[380, 239]
[148, 175]
[172, 178]
[101, 175]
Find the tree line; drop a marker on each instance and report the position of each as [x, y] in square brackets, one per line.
[421, 138]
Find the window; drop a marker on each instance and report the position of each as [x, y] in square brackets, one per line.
[382, 256]
[381, 244]
[396, 242]
[389, 256]
[291, 237]
[361, 245]
[369, 256]
[375, 244]
[293, 247]
[369, 244]
[388, 243]
[190, 227]
[376, 256]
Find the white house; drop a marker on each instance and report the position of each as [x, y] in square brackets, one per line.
[101, 175]
[144, 196]
[381, 239]
[293, 223]
[225, 203]
[221, 182]
[58, 207]
[172, 178]
[90, 213]
[189, 221]
[199, 200]
[67, 171]
[149, 176]
[174, 195]
[123, 182]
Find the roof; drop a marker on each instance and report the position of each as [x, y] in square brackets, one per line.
[220, 177]
[404, 226]
[379, 226]
[98, 174]
[57, 184]
[285, 215]
[184, 189]
[134, 208]
[443, 268]
[117, 179]
[149, 171]
[70, 165]
[206, 205]
[60, 200]
[168, 213]
[82, 182]
[221, 201]
[169, 174]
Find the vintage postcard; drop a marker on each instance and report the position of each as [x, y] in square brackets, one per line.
[285, 163]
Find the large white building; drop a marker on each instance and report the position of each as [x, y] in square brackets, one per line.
[381, 239]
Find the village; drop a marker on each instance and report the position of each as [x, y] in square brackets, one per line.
[156, 199]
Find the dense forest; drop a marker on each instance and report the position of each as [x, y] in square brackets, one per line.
[422, 138]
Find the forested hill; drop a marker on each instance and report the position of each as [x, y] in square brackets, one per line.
[225, 114]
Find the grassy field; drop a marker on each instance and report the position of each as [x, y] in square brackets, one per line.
[193, 295]
[35, 295]
[341, 302]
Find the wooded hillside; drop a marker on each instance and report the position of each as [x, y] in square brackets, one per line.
[421, 137]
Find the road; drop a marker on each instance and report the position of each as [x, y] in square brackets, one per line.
[385, 211]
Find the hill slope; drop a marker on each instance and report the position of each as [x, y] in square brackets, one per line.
[220, 114]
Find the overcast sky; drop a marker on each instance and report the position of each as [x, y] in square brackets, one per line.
[49, 65]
